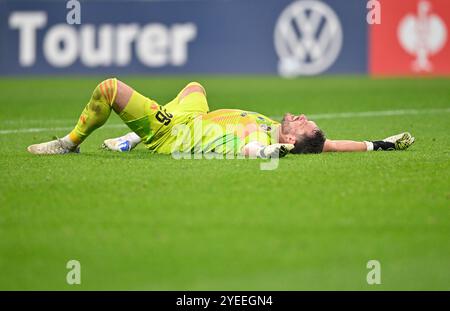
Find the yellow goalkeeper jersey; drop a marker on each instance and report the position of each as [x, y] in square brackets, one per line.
[223, 131]
[186, 125]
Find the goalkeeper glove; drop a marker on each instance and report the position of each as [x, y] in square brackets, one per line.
[397, 142]
[123, 143]
[275, 150]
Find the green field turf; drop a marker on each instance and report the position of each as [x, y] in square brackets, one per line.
[138, 221]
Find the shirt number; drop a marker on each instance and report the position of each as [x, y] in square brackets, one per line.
[163, 116]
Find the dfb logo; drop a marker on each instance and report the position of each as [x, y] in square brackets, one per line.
[412, 39]
[308, 38]
[422, 35]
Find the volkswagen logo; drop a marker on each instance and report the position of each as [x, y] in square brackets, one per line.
[308, 38]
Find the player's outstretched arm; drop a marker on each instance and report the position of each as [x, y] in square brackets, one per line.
[397, 142]
[344, 146]
[123, 143]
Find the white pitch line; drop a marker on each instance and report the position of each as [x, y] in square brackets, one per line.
[381, 113]
[50, 129]
[38, 121]
[339, 115]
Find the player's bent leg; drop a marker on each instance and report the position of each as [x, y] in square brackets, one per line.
[192, 87]
[92, 117]
[139, 109]
[96, 112]
[124, 93]
[192, 99]
[143, 116]
[110, 94]
[123, 98]
[137, 112]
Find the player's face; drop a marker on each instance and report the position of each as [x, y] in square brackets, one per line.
[298, 125]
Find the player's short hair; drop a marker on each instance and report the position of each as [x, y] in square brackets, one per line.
[310, 144]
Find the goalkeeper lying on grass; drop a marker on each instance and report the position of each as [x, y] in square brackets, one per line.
[172, 127]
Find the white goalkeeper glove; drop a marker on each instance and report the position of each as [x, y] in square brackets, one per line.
[122, 144]
[275, 150]
[401, 141]
[397, 142]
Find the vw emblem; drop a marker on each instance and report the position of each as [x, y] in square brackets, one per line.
[308, 38]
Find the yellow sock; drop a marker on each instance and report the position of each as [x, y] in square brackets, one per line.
[96, 111]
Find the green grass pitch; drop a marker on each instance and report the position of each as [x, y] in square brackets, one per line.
[140, 221]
